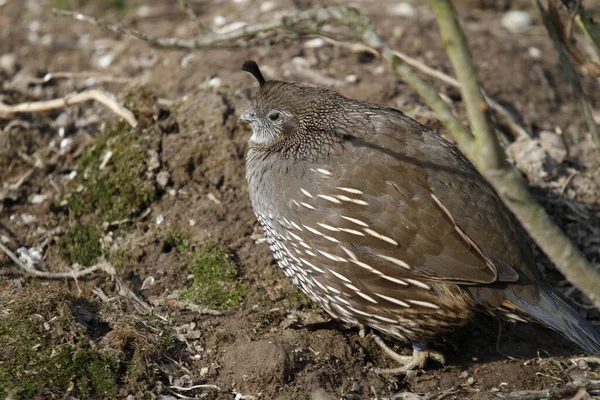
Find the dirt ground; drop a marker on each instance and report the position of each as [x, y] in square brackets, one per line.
[167, 202]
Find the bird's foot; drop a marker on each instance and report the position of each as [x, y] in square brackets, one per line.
[409, 363]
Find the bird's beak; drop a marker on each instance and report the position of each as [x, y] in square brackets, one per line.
[247, 116]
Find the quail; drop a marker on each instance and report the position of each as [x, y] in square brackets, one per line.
[387, 225]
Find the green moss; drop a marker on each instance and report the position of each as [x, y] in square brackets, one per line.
[176, 240]
[81, 245]
[44, 352]
[119, 190]
[216, 283]
[56, 345]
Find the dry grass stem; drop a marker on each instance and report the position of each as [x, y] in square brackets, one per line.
[75, 98]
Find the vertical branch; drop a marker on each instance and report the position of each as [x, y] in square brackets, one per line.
[570, 72]
[490, 154]
[507, 182]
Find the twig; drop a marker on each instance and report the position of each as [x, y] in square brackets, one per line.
[490, 155]
[186, 6]
[101, 266]
[184, 305]
[75, 98]
[551, 21]
[195, 387]
[502, 112]
[585, 21]
[77, 75]
[505, 116]
[140, 305]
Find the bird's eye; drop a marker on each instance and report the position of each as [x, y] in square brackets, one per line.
[274, 116]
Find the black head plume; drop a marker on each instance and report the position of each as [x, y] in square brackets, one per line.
[252, 67]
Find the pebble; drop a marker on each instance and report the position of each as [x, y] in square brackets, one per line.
[463, 374]
[149, 281]
[219, 20]
[267, 6]
[30, 256]
[203, 371]
[38, 198]
[314, 43]
[160, 219]
[28, 218]
[516, 21]
[162, 179]
[402, 10]
[471, 381]
[8, 63]
[214, 82]
[351, 78]
[534, 52]
[192, 222]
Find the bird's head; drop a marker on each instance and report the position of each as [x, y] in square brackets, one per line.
[285, 114]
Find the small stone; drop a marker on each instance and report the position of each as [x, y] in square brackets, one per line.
[402, 10]
[8, 63]
[463, 375]
[192, 222]
[534, 52]
[471, 381]
[149, 281]
[516, 21]
[154, 161]
[214, 82]
[582, 364]
[28, 218]
[267, 6]
[351, 78]
[314, 43]
[38, 198]
[219, 20]
[162, 179]
[203, 371]
[65, 143]
[160, 219]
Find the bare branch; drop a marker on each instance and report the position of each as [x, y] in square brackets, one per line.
[102, 266]
[490, 154]
[75, 98]
[553, 26]
[185, 4]
[507, 182]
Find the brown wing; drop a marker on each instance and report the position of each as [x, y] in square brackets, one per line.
[386, 214]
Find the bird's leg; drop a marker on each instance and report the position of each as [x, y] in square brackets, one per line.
[418, 359]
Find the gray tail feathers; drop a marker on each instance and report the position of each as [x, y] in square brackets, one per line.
[553, 311]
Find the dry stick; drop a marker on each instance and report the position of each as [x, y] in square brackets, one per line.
[490, 154]
[509, 185]
[188, 9]
[572, 75]
[102, 266]
[75, 98]
[77, 75]
[507, 182]
[585, 21]
[503, 113]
